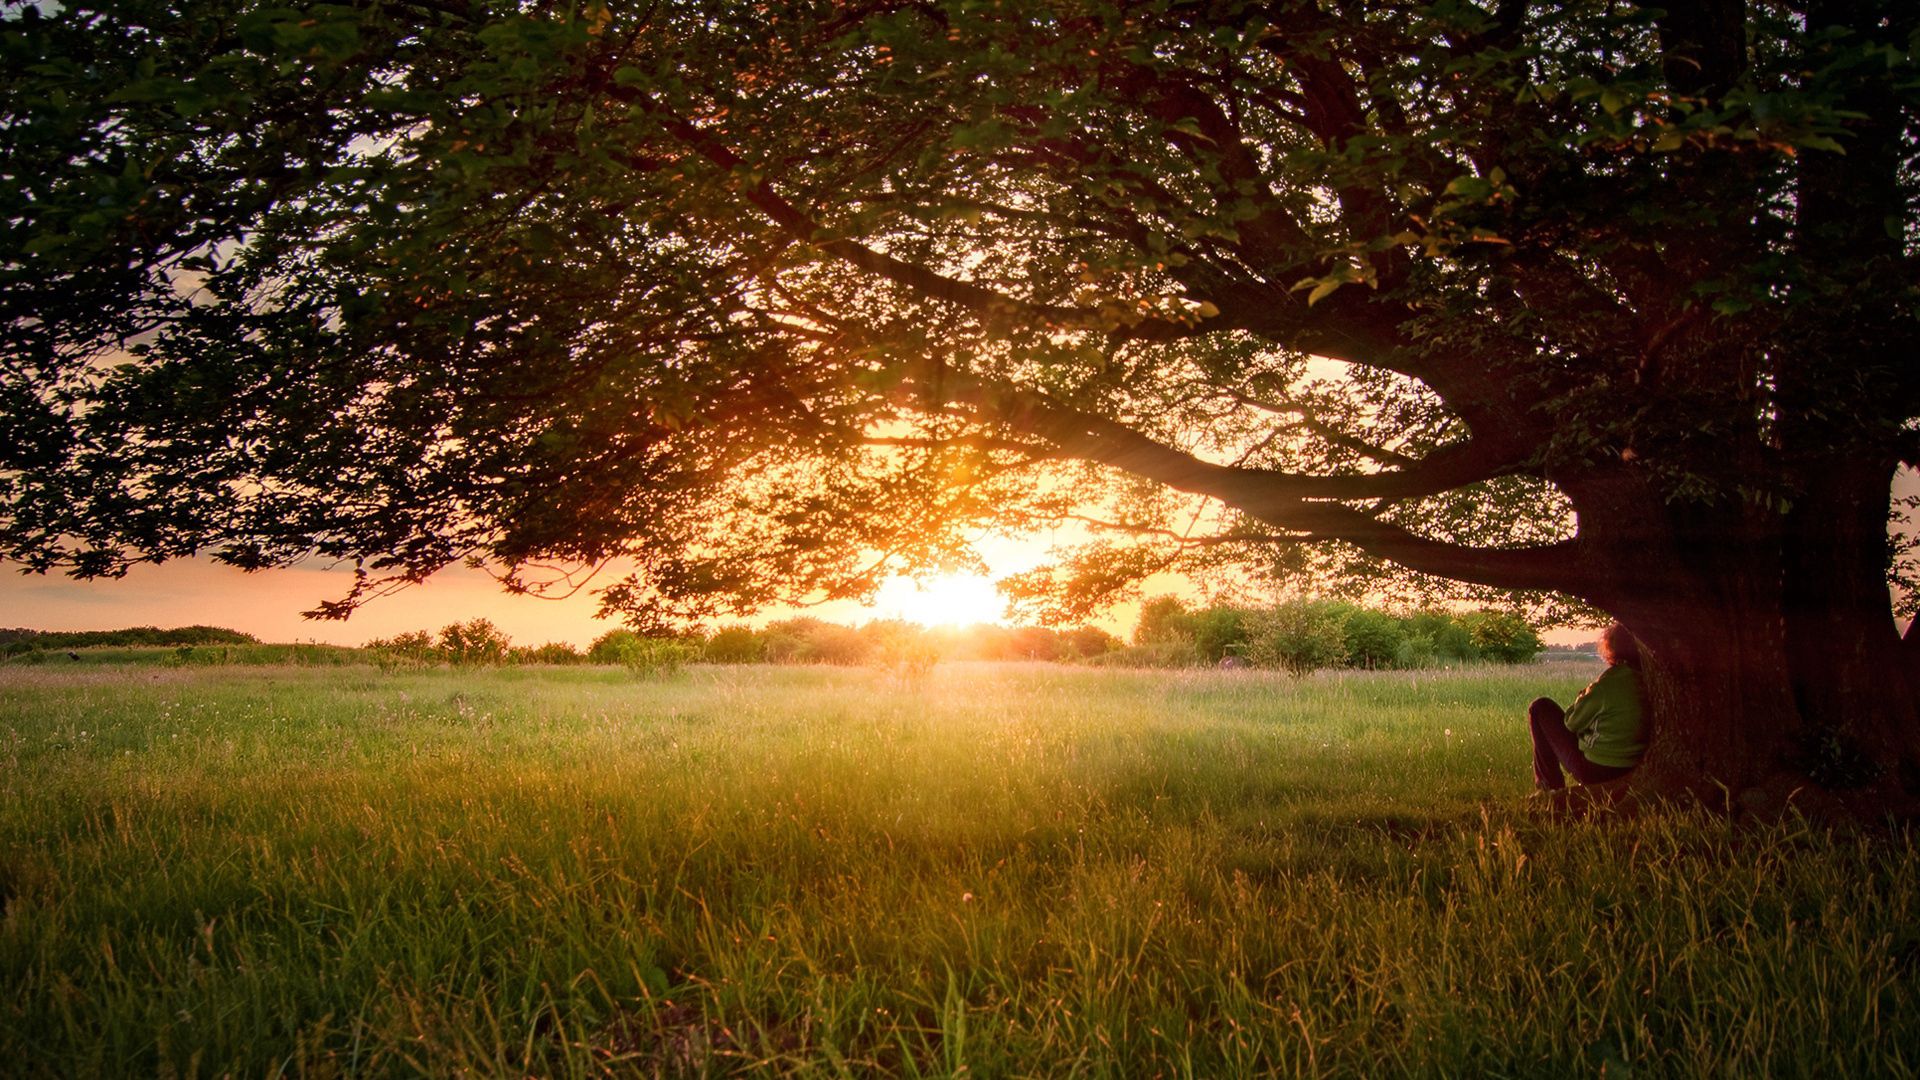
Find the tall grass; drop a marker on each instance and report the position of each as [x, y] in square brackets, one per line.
[996, 870]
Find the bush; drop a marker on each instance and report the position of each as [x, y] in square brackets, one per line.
[130, 636]
[1299, 637]
[1219, 632]
[734, 645]
[1372, 638]
[614, 647]
[477, 641]
[1163, 619]
[1036, 643]
[986, 641]
[1502, 637]
[785, 641]
[416, 645]
[1166, 654]
[661, 656]
[1448, 640]
[1087, 642]
[807, 640]
[553, 652]
[1415, 650]
[831, 643]
[904, 648]
[642, 655]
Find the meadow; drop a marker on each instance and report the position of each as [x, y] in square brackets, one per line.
[988, 870]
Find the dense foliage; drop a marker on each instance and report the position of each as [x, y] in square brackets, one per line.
[19, 639]
[1301, 636]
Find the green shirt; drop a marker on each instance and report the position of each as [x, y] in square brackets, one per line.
[1609, 719]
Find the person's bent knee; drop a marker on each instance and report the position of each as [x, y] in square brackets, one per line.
[1543, 709]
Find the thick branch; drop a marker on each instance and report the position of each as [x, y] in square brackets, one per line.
[1297, 503]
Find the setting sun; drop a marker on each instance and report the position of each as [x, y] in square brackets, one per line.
[945, 600]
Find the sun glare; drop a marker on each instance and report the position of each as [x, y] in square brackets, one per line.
[946, 600]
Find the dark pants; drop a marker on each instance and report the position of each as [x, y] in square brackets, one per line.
[1554, 746]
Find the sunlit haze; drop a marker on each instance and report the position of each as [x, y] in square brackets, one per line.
[945, 600]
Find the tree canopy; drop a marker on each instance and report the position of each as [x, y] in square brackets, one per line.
[1587, 299]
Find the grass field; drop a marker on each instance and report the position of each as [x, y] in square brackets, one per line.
[1022, 870]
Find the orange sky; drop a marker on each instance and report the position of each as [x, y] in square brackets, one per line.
[268, 604]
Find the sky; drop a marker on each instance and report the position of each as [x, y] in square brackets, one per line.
[267, 604]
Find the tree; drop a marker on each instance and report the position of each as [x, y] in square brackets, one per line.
[1602, 302]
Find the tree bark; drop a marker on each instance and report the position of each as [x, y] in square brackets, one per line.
[1859, 725]
[1719, 700]
[1770, 664]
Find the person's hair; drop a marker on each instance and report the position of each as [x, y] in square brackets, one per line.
[1617, 646]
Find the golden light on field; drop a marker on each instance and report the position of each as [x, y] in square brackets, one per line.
[943, 600]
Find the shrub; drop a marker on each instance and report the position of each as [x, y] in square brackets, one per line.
[661, 656]
[734, 645]
[807, 640]
[130, 636]
[1299, 637]
[1036, 643]
[414, 645]
[1086, 642]
[1163, 619]
[1165, 654]
[986, 641]
[553, 652]
[1448, 640]
[476, 641]
[202, 654]
[614, 647]
[831, 643]
[1371, 638]
[1219, 632]
[1502, 637]
[785, 641]
[907, 649]
[1416, 650]
[642, 655]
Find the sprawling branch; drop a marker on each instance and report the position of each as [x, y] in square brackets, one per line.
[1303, 504]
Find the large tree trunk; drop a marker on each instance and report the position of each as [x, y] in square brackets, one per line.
[1860, 729]
[1772, 670]
[1719, 699]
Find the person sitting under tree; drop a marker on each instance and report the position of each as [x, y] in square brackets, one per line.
[1602, 735]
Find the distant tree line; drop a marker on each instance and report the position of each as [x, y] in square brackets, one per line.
[1298, 636]
[17, 641]
[803, 640]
